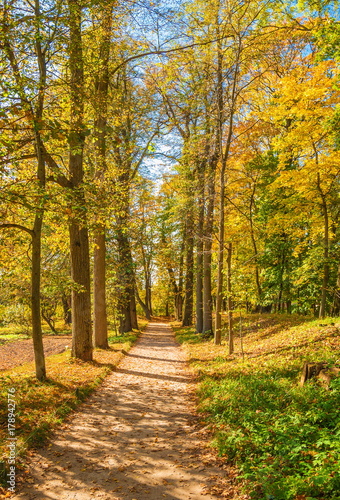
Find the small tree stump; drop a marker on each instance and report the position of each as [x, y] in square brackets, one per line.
[320, 371]
[310, 370]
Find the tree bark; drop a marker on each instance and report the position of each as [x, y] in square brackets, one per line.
[208, 232]
[180, 281]
[189, 277]
[336, 298]
[143, 306]
[253, 240]
[147, 306]
[126, 281]
[100, 123]
[219, 294]
[133, 306]
[34, 116]
[79, 241]
[39, 356]
[81, 300]
[325, 279]
[223, 161]
[174, 287]
[66, 301]
[99, 290]
[199, 249]
[280, 304]
[224, 156]
[229, 301]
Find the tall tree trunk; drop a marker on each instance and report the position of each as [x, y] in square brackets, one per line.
[148, 296]
[208, 232]
[223, 161]
[336, 299]
[180, 281]
[220, 258]
[143, 305]
[66, 302]
[280, 304]
[81, 299]
[229, 301]
[34, 116]
[126, 302]
[253, 240]
[101, 96]
[189, 277]
[99, 290]
[79, 241]
[326, 263]
[133, 305]
[199, 249]
[174, 288]
[147, 306]
[224, 155]
[39, 357]
[126, 276]
[325, 280]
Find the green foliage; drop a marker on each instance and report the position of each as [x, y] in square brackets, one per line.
[128, 338]
[187, 335]
[284, 439]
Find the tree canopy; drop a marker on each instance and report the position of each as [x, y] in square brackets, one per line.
[167, 158]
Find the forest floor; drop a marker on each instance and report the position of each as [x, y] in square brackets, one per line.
[21, 351]
[283, 437]
[137, 437]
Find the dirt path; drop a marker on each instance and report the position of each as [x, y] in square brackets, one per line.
[21, 351]
[134, 439]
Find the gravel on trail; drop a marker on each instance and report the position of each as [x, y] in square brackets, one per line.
[136, 438]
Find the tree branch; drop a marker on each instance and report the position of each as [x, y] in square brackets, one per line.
[163, 52]
[59, 178]
[18, 226]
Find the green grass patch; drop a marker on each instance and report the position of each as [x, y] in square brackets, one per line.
[41, 406]
[187, 335]
[284, 439]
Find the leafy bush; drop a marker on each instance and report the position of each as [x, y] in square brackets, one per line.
[284, 439]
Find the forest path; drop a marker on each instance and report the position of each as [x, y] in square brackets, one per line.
[134, 438]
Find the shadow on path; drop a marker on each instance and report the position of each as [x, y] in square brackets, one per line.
[133, 439]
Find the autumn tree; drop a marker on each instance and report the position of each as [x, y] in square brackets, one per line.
[27, 91]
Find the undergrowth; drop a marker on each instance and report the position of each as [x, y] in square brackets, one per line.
[284, 439]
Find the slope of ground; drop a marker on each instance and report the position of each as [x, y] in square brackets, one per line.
[18, 352]
[285, 439]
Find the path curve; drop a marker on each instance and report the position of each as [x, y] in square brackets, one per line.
[133, 439]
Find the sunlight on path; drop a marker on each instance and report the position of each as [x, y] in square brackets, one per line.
[133, 439]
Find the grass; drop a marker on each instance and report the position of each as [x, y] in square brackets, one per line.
[10, 333]
[41, 406]
[13, 332]
[284, 439]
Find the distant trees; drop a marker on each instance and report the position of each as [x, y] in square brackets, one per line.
[247, 216]
[58, 143]
[264, 161]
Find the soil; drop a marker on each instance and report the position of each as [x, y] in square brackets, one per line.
[136, 438]
[21, 351]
